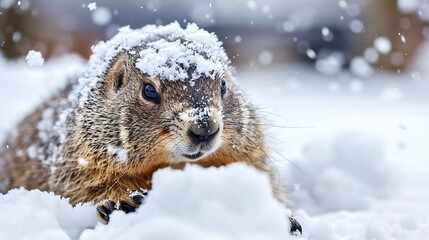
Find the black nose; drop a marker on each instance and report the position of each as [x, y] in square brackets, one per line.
[199, 134]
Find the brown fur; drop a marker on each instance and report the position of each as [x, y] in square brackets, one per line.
[116, 114]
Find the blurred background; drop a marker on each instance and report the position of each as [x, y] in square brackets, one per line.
[332, 34]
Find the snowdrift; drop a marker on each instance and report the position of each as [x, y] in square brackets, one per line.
[233, 202]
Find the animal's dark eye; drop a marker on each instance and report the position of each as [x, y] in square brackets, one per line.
[223, 87]
[150, 94]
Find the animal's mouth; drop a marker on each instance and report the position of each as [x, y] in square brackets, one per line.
[194, 153]
[193, 156]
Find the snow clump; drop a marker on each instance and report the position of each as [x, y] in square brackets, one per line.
[120, 153]
[34, 59]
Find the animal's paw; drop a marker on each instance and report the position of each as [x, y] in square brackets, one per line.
[295, 227]
[129, 204]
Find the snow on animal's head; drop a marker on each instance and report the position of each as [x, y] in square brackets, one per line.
[163, 90]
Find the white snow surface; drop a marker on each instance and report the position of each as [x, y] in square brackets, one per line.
[189, 204]
[41, 215]
[361, 159]
[363, 164]
[232, 202]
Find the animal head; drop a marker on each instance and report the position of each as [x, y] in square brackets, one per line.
[170, 98]
[182, 118]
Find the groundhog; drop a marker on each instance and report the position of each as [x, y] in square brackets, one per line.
[155, 97]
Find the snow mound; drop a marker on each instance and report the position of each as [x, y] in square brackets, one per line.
[233, 202]
[351, 190]
[347, 173]
[40, 215]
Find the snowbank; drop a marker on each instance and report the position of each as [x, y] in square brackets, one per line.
[350, 162]
[350, 190]
[40, 215]
[233, 202]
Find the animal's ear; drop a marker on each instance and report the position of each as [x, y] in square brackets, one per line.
[118, 74]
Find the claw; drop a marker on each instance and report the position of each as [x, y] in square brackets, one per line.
[295, 227]
[105, 209]
[138, 199]
[126, 207]
[112, 206]
[103, 213]
[145, 193]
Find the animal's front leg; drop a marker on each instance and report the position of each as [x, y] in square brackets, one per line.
[129, 203]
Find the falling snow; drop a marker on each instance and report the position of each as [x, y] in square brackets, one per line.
[92, 6]
[383, 45]
[311, 53]
[101, 16]
[34, 59]
[361, 67]
[265, 58]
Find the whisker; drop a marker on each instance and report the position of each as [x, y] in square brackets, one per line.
[268, 158]
[270, 125]
[276, 139]
[290, 161]
[223, 65]
[272, 149]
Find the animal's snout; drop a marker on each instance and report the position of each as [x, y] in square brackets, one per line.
[203, 131]
[203, 126]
